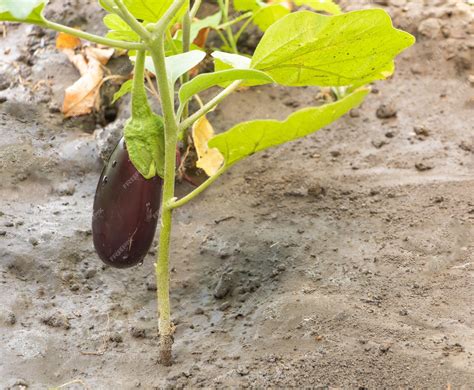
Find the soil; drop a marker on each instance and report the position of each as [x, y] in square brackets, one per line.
[343, 260]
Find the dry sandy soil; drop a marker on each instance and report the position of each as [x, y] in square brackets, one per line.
[344, 260]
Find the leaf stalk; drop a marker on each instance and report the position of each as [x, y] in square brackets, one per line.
[91, 37]
[208, 106]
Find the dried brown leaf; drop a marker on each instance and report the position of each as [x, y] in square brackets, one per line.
[66, 41]
[83, 96]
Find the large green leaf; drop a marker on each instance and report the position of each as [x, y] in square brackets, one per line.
[268, 15]
[328, 6]
[208, 80]
[22, 11]
[119, 29]
[248, 138]
[306, 48]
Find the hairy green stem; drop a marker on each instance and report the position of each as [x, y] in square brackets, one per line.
[162, 264]
[209, 106]
[185, 199]
[91, 37]
[140, 106]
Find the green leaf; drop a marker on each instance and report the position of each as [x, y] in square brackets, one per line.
[247, 5]
[177, 65]
[248, 138]
[119, 29]
[328, 6]
[144, 136]
[235, 61]
[227, 61]
[268, 15]
[306, 48]
[208, 80]
[30, 11]
[146, 10]
[125, 88]
[211, 21]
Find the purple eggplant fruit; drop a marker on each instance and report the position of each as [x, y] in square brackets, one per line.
[125, 211]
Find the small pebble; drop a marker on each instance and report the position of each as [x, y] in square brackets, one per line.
[421, 131]
[379, 143]
[420, 166]
[354, 113]
[223, 286]
[66, 189]
[138, 333]
[316, 190]
[386, 111]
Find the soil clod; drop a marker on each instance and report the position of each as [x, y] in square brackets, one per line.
[386, 111]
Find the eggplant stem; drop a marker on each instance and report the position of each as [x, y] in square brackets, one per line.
[166, 91]
[163, 295]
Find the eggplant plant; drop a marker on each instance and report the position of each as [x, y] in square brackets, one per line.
[303, 48]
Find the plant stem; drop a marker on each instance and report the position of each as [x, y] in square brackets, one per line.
[242, 29]
[195, 9]
[157, 49]
[162, 265]
[223, 38]
[171, 43]
[209, 105]
[186, 47]
[140, 106]
[91, 37]
[186, 32]
[180, 202]
[224, 7]
[236, 20]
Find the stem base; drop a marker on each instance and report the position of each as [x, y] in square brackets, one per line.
[166, 343]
